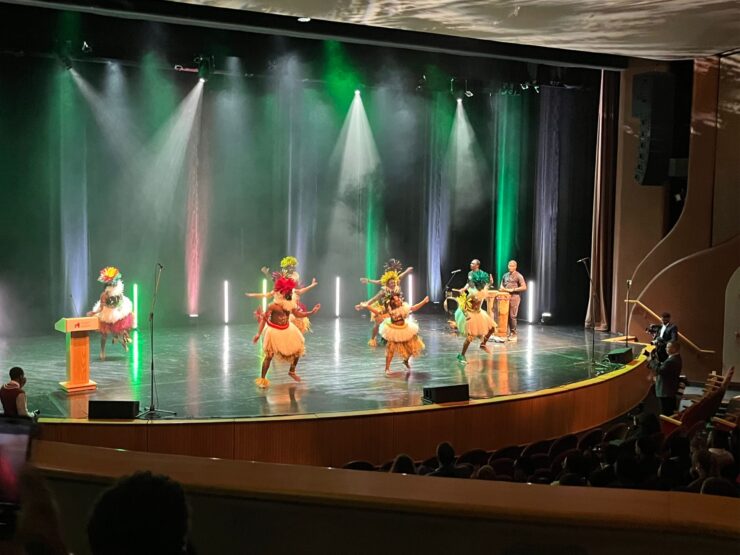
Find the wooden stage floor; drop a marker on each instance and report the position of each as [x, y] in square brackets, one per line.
[208, 371]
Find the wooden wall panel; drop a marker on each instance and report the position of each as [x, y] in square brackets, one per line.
[197, 439]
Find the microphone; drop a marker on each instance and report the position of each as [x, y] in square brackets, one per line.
[582, 260]
[160, 266]
[455, 271]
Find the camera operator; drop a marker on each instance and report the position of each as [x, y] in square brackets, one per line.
[667, 375]
[662, 335]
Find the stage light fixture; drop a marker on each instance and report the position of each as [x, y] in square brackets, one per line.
[459, 100]
[264, 292]
[86, 48]
[546, 318]
[226, 302]
[410, 299]
[64, 54]
[193, 315]
[336, 298]
[136, 306]
[524, 86]
[304, 19]
[421, 83]
[530, 301]
[468, 92]
[206, 66]
[357, 92]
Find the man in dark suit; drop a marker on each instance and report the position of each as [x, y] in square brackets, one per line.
[667, 374]
[668, 332]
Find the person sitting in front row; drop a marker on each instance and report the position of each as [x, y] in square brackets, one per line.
[13, 397]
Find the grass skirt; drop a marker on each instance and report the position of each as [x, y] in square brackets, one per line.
[303, 324]
[403, 339]
[473, 324]
[286, 344]
[115, 320]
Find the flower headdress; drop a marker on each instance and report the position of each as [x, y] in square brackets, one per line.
[289, 262]
[110, 275]
[479, 279]
[389, 275]
[393, 264]
[284, 285]
[464, 302]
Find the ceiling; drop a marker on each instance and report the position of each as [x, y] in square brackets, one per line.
[658, 29]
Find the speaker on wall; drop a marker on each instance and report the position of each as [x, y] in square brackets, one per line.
[652, 102]
[446, 393]
[112, 410]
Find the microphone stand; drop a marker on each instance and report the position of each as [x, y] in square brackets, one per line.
[152, 411]
[627, 315]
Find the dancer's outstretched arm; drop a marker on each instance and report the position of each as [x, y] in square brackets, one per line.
[298, 313]
[260, 295]
[371, 309]
[369, 301]
[406, 272]
[301, 291]
[365, 281]
[418, 305]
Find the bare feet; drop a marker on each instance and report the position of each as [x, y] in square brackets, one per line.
[484, 346]
[373, 343]
[295, 376]
[407, 365]
[388, 372]
[262, 383]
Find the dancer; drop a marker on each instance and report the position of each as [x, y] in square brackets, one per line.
[114, 310]
[389, 286]
[288, 267]
[400, 330]
[390, 283]
[281, 337]
[472, 322]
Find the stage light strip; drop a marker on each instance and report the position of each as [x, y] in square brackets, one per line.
[136, 306]
[530, 302]
[411, 290]
[264, 292]
[336, 298]
[226, 302]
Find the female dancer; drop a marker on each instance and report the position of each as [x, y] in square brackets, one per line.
[288, 267]
[400, 330]
[281, 337]
[390, 283]
[114, 310]
[473, 322]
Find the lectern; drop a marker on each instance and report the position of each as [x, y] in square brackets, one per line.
[78, 352]
[502, 313]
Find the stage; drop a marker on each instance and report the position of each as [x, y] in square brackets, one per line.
[208, 371]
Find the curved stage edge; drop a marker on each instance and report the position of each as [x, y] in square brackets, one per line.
[332, 439]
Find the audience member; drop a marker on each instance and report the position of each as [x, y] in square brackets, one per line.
[671, 475]
[570, 479]
[719, 447]
[403, 464]
[719, 486]
[485, 472]
[605, 476]
[523, 469]
[12, 395]
[144, 514]
[701, 469]
[446, 461]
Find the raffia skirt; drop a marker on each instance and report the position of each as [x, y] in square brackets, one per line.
[403, 339]
[285, 343]
[473, 324]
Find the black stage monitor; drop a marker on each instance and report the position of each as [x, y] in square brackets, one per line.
[447, 393]
[113, 410]
[621, 356]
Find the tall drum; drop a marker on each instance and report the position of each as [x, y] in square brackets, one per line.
[502, 313]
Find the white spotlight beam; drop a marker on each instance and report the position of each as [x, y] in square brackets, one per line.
[226, 302]
[411, 289]
[530, 303]
[336, 298]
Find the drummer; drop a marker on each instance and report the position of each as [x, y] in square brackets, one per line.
[513, 283]
[474, 267]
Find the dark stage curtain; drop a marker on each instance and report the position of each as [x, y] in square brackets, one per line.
[563, 199]
[603, 209]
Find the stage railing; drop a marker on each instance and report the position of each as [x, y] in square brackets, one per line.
[693, 346]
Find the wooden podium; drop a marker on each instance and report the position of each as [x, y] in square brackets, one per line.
[78, 352]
